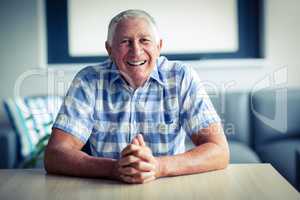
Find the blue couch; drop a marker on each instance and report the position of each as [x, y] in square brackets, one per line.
[298, 171]
[276, 128]
[254, 124]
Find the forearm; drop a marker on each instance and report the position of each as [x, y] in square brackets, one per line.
[77, 163]
[203, 158]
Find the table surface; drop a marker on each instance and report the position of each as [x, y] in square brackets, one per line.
[238, 181]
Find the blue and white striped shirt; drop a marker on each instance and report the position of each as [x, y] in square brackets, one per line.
[101, 107]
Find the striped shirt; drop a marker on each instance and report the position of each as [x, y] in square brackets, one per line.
[102, 108]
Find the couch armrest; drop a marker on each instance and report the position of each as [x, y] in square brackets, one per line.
[8, 149]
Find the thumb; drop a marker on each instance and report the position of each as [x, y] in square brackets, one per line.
[135, 141]
[141, 140]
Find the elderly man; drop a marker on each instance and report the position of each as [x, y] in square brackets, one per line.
[136, 109]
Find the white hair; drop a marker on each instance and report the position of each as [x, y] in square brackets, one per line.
[132, 13]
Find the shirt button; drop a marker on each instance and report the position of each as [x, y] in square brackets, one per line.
[162, 128]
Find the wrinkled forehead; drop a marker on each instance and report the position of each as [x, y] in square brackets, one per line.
[123, 24]
[128, 24]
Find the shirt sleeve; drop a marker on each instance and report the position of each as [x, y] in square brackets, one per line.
[76, 112]
[197, 111]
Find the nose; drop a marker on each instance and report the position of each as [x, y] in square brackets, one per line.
[136, 48]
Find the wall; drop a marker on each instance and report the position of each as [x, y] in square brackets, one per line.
[281, 48]
[282, 39]
[19, 44]
[23, 48]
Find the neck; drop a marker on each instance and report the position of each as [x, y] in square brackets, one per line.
[134, 84]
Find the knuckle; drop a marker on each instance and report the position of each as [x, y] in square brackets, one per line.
[134, 165]
[130, 146]
[139, 165]
[123, 170]
[131, 158]
[128, 179]
[139, 180]
[128, 159]
[131, 170]
[139, 176]
[138, 153]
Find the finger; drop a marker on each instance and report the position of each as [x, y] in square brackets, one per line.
[130, 171]
[143, 166]
[135, 141]
[144, 155]
[140, 178]
[141, 140]
[149, 179]
[130, 149]
[128, 160]
[144, 175]
[127, 179]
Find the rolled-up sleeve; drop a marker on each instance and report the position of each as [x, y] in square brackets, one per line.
[76, 113]
[197, 111]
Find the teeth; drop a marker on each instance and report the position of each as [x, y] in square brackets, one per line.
[136, 63]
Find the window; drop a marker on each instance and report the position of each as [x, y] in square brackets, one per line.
[76, 30]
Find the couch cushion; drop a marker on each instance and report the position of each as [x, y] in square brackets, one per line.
[282, 155]
[275, 114]
[233, 109]
[241, 153]
[32, 119]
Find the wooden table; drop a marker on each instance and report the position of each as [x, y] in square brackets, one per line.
[238, 181]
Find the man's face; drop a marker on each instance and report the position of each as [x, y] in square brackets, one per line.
[134, 50]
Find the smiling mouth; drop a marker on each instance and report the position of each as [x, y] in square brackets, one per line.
[136, 63]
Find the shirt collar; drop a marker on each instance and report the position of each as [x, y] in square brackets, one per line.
[114, 73]
[155, 75]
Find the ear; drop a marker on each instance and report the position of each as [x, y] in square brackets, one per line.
[108, 48]
[160, 44]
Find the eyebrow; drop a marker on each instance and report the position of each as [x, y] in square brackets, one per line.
[140, 35]
[145, 35]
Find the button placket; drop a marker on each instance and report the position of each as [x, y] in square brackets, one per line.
[132, 125]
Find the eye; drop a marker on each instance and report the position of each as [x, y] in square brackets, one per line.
[145, 40]
[125, 41]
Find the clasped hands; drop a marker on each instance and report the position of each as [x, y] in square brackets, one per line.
[137, 164]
